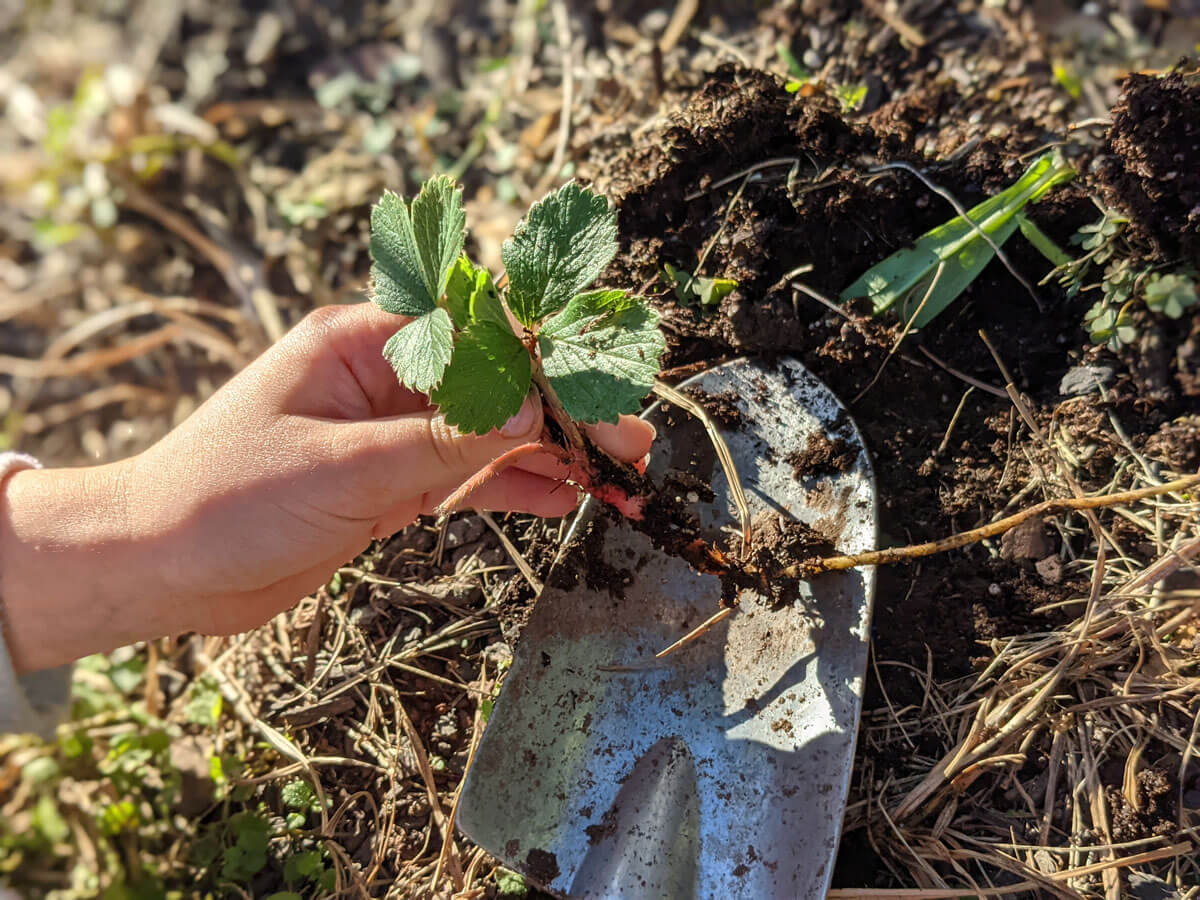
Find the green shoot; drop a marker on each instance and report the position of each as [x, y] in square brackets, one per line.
[851, 95]
[1042, 242]
[794, 67]
[903, 279]
[692, 289]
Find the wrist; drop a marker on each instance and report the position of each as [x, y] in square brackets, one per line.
[71, 565]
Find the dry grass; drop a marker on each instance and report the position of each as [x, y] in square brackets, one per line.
[1045, 722]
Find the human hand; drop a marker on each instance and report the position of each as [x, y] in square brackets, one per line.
[254, 501]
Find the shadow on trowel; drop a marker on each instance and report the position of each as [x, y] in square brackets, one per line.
[721, 770]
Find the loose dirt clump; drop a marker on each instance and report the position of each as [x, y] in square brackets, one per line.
[779, 541]
[1151, 811]
[722, 408]
[822, 456]
[543, 865]
[1152, 172]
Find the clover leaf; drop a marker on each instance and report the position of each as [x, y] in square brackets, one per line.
[1171, 294]
[1110, 325]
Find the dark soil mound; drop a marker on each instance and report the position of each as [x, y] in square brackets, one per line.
[1153, 173]
[784, 194]
[679, 193]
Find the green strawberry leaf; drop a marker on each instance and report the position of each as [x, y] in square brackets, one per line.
[601, 355]
[421, 350]
[471, 296]
[414, 250]
[487, 381]
[557, 250]
[486, 305]
[463, 281]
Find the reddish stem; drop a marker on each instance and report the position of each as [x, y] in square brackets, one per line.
[486, 474]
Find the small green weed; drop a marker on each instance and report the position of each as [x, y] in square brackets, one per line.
[162, 824]
[957, 249]
[1122, 282]
[510, 884]
[79, 187]
[691, 290]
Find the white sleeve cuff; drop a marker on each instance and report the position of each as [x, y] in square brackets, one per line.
[33, 703]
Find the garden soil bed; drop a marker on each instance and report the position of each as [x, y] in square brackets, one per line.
[844, 218]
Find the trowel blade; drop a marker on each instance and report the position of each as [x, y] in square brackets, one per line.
[722, 770]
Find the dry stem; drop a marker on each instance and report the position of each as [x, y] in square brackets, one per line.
[722, 449]
[963, 538]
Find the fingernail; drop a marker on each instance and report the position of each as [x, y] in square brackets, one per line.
[520, 424]
[653, 430]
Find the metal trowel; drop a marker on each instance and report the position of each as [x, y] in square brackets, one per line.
[721, 770]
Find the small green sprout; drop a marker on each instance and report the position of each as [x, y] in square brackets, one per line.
[1067, 79]
[299, 795]
[692, 289]
[1110, 325]
[1110, 321]
[1098, 237]
[592, 354]
[851, 95]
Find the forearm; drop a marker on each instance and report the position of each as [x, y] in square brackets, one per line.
[72, 569]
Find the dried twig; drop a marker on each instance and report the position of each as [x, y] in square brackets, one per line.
[514, 554]
[697, 632]
[682, 16]
[974, 535]
[671, 395]
[562, 25]
[93, 360]
[431, 789]
[476, 734]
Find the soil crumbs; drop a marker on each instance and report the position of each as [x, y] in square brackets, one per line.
[821, 456]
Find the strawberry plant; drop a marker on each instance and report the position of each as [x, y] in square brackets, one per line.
[478, 346]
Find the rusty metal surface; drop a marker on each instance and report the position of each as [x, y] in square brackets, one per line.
[722, 770]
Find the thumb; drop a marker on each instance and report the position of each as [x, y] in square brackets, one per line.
[420, 451]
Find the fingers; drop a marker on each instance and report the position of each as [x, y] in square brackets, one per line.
[513, 490]
[516, 490]
[629, 440]
[386, 461]
[339, 352]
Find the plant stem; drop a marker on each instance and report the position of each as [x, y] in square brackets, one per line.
[962, 539]
[570, 430]
[486, 474]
